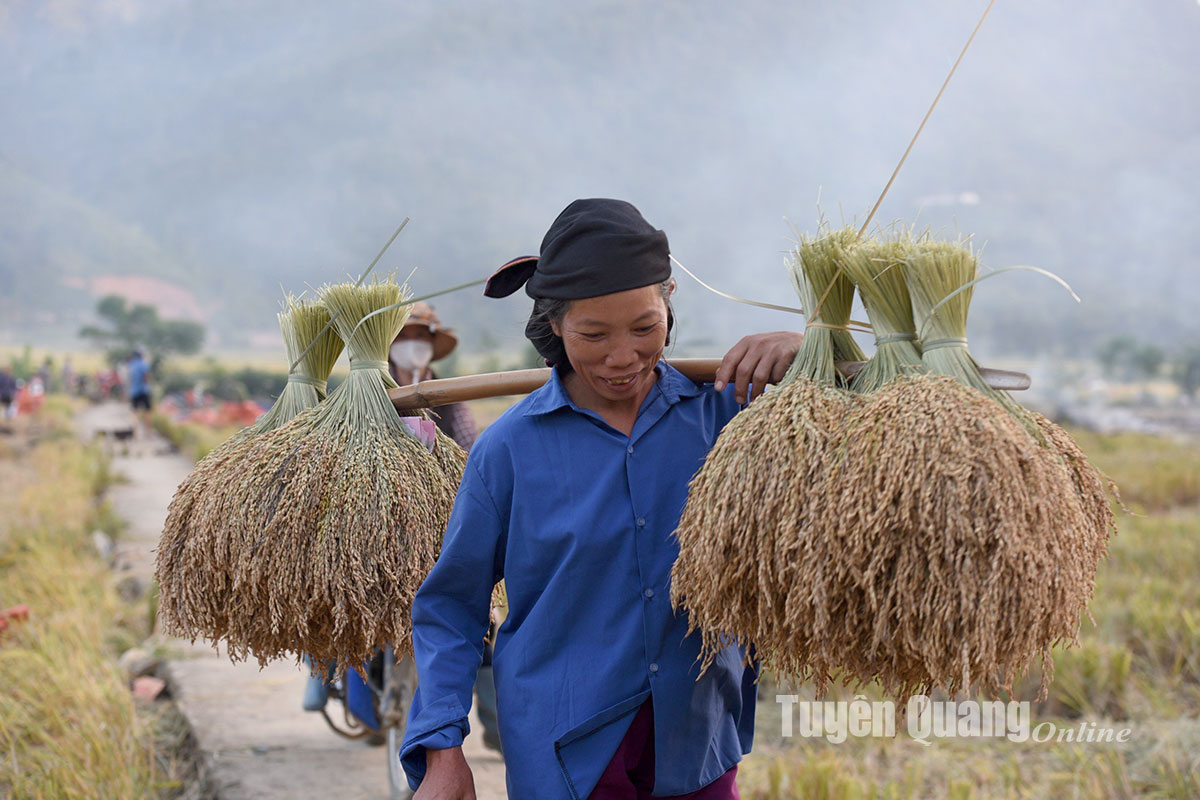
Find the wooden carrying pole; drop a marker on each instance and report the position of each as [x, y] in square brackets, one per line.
[523, 381]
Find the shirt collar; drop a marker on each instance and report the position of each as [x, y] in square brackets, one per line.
[673, 384]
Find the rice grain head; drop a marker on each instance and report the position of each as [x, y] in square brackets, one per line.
[750, 518]
[349, 509]
[193, 562]
[955, 551]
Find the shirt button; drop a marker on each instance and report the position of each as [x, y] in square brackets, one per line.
[641, 522]
[649, 593]
[654, 667]
[629, 449]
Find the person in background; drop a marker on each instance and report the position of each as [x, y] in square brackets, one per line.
[420, 342]
[139, 390]
[46, 373]
[8, 391]
[68, 376]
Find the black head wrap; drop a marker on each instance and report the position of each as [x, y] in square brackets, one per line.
[594, 247]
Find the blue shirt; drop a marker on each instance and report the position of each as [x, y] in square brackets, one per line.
[138, 369]
[578, 519]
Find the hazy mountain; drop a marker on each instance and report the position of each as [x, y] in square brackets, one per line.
[228, 147]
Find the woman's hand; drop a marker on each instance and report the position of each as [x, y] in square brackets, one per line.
[447, 776]
[757, 360]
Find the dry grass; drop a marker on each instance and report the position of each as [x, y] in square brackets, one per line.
[1162, 763]
[488, 410]
[70, 728]
[192, 439]
[1155, 473]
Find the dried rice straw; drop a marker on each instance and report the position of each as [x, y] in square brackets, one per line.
[193, 562]
[351, 507]
[826, 294]
[934, 271]
[876, 268]
[941, 278]
[751, 508]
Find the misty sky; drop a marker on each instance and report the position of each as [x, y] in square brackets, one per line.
[230, 147]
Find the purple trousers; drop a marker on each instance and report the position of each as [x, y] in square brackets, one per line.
[630, 774]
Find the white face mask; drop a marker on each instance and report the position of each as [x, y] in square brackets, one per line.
[412, 355]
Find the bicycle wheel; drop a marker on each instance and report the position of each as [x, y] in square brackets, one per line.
[399, 684]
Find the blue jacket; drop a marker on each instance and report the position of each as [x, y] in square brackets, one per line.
[578, 520]
[138, 371]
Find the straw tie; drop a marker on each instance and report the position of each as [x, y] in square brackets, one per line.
[368, 365]
[296, 377]
[827, 325]
[891, 338]
[937, 344]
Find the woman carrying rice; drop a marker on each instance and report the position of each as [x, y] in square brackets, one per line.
[572, 497]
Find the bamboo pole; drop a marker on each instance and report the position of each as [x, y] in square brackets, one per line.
[443, 391]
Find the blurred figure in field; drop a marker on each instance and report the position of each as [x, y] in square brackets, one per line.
[68, 376]
[8, 391]
[46, 375]
[139, 390]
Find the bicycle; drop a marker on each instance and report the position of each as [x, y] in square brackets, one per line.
[376, 710]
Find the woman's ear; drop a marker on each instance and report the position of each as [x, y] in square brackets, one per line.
[671, 288]
[556, 326]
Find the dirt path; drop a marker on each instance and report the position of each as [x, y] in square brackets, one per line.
[254, 739]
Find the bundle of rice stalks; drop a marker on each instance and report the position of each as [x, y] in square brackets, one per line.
[918, 535]
[193, 560]
[817, 269]
[934, 271]
[747, 529]
[751, 508]
[939, 275]
[349, 508]
[953, 548]
[961, 533]
[877, 269]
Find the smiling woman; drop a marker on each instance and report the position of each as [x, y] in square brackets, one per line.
[612, 344]
[571, 497]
